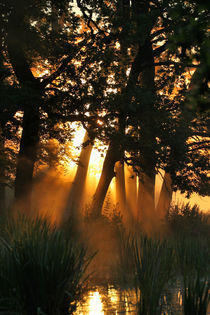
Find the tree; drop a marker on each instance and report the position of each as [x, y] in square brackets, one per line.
[76, 194]
[9, 124]
[38, 37]
[121, 63]
[146, 95]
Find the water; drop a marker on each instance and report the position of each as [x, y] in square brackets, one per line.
[108, 300]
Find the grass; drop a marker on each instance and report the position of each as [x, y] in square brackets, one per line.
[188, 220]
[190, 231]
[147, 263]
[153, 262]
[193, 261]
[40, 270]
[125, 272]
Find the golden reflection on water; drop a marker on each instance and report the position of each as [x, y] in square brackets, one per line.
[95, 304]
[109, 300]
[113, 295]
[106, 301]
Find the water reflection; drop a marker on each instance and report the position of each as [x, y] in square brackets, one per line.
[108, 301]
[95, 304]
[113, 301]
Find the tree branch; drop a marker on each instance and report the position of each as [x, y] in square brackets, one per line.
[202, 148]
[71, 118]
[89, 19]
[64, 63]
[157, 33]
[170, 63]
[158, 51]
[57, 72]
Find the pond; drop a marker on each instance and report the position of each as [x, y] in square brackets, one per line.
[109, 300]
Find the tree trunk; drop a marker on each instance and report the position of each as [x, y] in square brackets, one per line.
[26, 160]
[131, 196]
[146, 192]
[76, 194]
[112, 156]
[146, 187]
[33, 97]
[165, 197]
[2, 179]
[115, 151]
[2, 198]
[120, 186]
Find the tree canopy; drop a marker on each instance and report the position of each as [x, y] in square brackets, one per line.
[134, 73]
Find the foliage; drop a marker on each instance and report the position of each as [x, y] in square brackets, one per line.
[41, 271]
[149, 264]
[188, 220]
[126, 266]
[189, 229]
[38, 42]
[193, 262]
[146, 80]
[153, 262]
[192, 39]
[123, 62]
[146, 264]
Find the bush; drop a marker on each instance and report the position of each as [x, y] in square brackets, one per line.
[188, 220]
[40, 271]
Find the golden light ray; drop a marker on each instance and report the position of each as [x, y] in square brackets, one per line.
[95, 167]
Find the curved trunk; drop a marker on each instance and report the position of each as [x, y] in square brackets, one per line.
[112, 156]
[76, 194]
[165, 197]
[30, 86]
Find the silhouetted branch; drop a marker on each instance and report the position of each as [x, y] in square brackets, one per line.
[57, 72]
[159, 50]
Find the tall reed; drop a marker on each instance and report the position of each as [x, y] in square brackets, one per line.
[147, 263]
[40, 271]
[153, 260]
[126, 274]
[193, 261]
